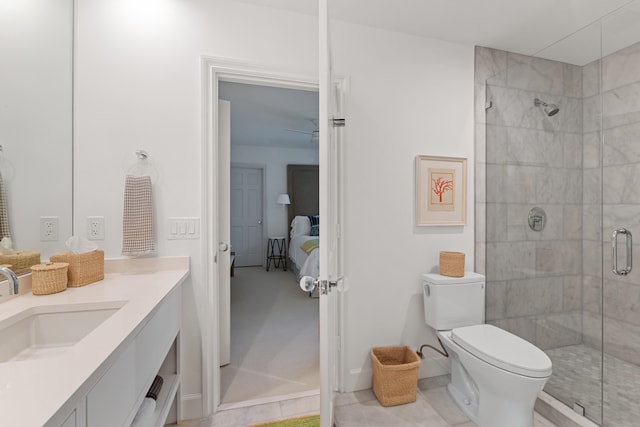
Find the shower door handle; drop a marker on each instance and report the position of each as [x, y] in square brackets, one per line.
[614, 252]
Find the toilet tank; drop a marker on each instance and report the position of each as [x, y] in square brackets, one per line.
[453, 302]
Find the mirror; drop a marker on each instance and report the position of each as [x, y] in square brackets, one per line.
[36, 111]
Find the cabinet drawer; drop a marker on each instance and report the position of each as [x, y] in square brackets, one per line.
[113, 401]
[71, 421]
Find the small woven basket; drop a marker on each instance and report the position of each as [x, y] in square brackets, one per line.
[83, 268]
[395, 374]
[21, 260]
[452, 264]
[49, 278]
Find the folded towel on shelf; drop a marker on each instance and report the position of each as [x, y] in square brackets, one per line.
[4, 212]
[137, 222]
[155, 388]
[144, 416]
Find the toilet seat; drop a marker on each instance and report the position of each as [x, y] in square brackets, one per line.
[503, 349]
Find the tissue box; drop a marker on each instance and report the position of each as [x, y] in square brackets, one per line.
[20, 260]
[83, 268]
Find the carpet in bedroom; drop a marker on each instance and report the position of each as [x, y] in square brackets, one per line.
[274, 337]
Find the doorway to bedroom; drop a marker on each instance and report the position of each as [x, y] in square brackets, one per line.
[273, 350]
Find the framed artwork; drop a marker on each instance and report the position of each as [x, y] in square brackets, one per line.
[441, 190]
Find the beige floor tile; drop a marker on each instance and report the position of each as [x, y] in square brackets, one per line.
[433, 408]
[440, 400]
[242, 417]
[189, 423]
[302, 406]
[361, 396]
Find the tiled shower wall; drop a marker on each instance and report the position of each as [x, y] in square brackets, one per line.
[547, 286]
[534, 279]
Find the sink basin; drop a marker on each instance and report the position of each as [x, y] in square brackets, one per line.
[46, 331]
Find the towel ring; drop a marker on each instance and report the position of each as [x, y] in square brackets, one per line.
[143, 166]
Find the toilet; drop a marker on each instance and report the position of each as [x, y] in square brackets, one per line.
[495, 375]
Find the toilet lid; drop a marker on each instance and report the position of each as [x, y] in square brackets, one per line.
[503, 349]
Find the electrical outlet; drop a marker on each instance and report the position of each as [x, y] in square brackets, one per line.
[95, 227]
[48, 228]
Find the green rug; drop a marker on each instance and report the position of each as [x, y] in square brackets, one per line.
[308, 421]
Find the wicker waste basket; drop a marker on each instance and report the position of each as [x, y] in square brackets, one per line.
[452, 264]
[395, 374]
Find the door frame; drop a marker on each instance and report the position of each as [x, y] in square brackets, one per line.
[214, 70]
[263, 169]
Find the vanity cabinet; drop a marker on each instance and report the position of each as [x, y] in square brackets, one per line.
[114, 396]
[76, 418]
[71, 421]
[115, 399]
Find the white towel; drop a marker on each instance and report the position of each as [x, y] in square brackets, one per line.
[4, 212]
[137, 221]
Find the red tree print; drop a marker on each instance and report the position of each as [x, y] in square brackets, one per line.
[440, 186]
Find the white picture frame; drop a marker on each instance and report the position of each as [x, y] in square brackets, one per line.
[441, 191]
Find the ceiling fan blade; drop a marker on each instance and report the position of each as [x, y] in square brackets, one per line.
[299, 131]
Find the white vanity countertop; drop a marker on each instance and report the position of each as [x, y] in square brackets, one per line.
[32, 391]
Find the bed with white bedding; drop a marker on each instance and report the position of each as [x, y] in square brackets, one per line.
[303, 247]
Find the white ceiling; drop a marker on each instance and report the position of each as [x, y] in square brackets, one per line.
[555, 29]
[269, 116]
[523, 26]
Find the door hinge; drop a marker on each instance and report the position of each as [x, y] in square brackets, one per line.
[338, 123]
[324, 286]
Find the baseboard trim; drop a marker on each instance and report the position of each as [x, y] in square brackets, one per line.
[192, 406]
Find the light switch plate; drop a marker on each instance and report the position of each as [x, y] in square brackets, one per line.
[183, 228]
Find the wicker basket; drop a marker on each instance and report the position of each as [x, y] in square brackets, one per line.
[21, 260]
[452, 264]
[83, 268]
[395, 374]
[49, 278]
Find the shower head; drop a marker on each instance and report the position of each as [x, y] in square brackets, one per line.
[549, 109]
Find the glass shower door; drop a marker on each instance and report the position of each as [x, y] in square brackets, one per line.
[558, 195]
[620, 106]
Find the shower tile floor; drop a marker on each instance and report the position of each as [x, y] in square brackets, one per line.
[577, 373]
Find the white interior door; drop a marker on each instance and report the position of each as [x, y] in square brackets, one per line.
[246, 216]
[224, 249]
[330, 222]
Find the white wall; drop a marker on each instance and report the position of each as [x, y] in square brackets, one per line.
[138, 86]
[276, 160]
[407, 96]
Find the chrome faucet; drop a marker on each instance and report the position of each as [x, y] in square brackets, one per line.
[14, 282]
